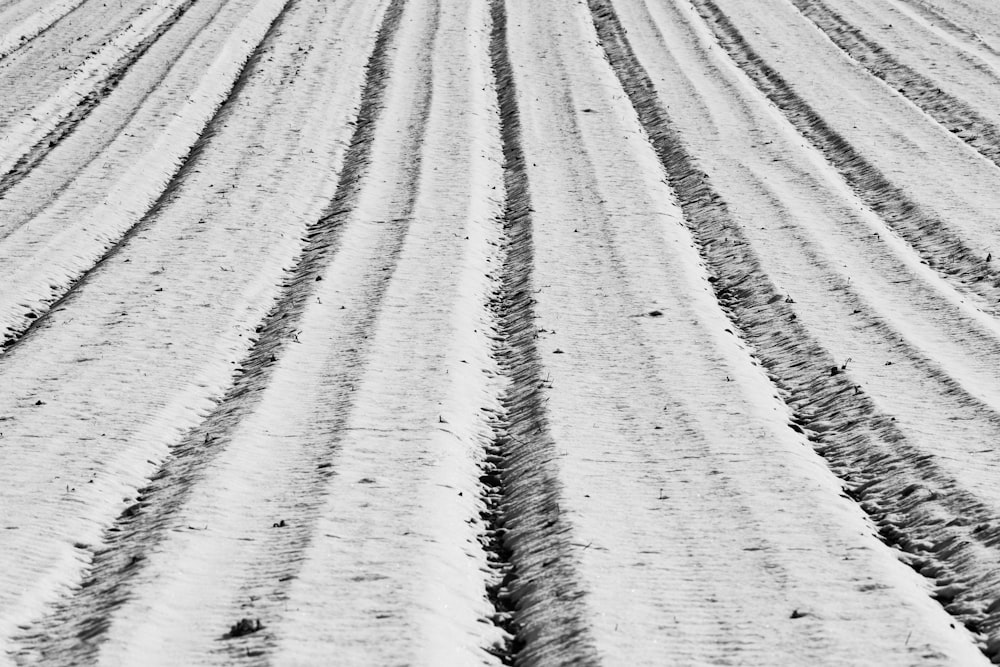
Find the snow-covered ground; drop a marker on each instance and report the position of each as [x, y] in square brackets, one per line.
[499, 332]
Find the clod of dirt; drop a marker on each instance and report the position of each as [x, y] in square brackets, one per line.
[798, 614]
[655, 313]
[557, 351]
[244, 627]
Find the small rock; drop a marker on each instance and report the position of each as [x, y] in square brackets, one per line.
[245, 626]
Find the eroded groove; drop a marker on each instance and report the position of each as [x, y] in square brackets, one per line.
[87, 103]
[36, 318]
[549, 624]
[943, 531]
[952, 113]
[936, 242]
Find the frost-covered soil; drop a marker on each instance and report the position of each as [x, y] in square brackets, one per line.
[499, 332]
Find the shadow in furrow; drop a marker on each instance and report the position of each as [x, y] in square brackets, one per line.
[35, 320]
[74, 631]
[938, 18]
[87, 103]
[25, 40]
[944, 532]
[935, 241]
[540, 599]
[110, 132]
[287, 549]
[950, 112]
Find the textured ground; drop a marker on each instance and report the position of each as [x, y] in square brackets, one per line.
[499, 332]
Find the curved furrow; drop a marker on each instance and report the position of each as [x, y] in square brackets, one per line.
[952, 113]
[44, 261]
[947, 534]
[847, 273]
[936, 241]
[550, 618]
[41, 128]
[967, 28]
[50, 174]
[349, 259]
[171, 313]
[37, 22]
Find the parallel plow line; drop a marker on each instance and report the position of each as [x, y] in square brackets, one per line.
[58, 116]
[58, 291]
[936, 17]
[111, 132]
[75, 630]
[540, 599]
[938, 245]
[950, 112]
[36, 25]
[944, 532]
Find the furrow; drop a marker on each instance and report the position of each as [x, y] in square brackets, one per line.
[78, 627]
[48, 270]
[89, 141]
[952, 113]
[944, 532]
[936, 242]
[938, 18]
[37, 23]
[542, 583]
[26, 143]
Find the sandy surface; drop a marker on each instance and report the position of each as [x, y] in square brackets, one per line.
[435, 332]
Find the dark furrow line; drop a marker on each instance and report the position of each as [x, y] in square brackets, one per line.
[75, 630]
[88, 102]
[112, 133]
[34, 320]
[934, 15]
[943, 531]
[290, 544]
[540, 599]
[24, 42]
[949, 111]
[937, 243]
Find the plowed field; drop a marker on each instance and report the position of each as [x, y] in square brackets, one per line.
[499, 332]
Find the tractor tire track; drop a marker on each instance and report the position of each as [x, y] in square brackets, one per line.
[57, 290]
[952, 113]
[88, 614]
[543, 587]
[937, 243]
[946, 534]
[29, 142]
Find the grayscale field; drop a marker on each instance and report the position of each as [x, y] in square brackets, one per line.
[499, 332]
